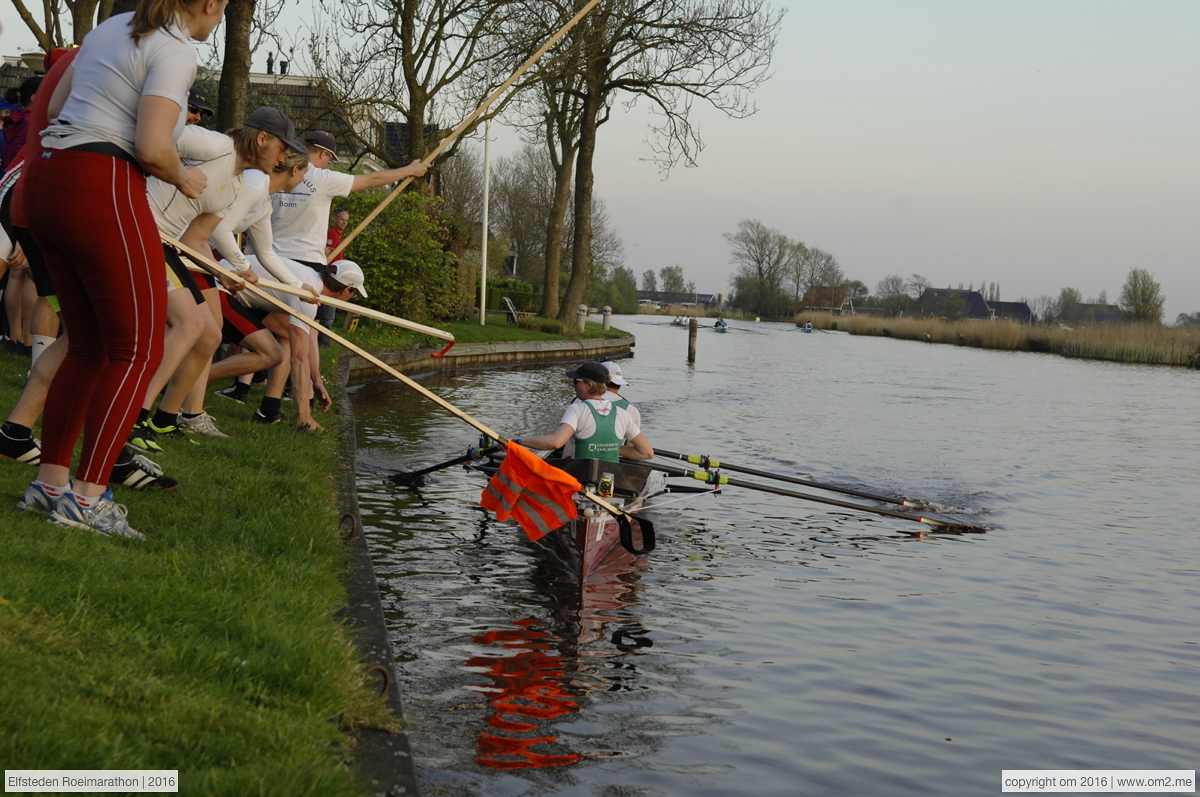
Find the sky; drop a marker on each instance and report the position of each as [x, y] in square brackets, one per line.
[1037, 145]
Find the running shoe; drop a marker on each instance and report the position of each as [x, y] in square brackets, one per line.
[258, 417]
[170, 431]
[36, 499]
[235, 392]
[202, 424]
[141, 473]
[143, 438]
[28, 450]
[105, 517]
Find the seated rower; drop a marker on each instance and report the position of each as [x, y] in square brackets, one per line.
[593, 428]
[721, 323]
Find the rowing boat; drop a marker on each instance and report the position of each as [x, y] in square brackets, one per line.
[592, 543]
[594, 538]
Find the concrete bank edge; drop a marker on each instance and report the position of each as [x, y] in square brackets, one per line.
[381, 759]
[481, 355]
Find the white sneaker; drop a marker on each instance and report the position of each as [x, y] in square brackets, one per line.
[203, 424]
[104, 518]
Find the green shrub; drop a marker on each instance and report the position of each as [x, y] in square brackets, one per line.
[409, 259]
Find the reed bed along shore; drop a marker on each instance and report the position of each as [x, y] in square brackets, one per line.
[1149, 344]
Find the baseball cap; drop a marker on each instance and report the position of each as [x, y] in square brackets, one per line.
[349, 274]
[590, 370]
[326, 141]
[614, 373]
[275, 122]
[197, 99]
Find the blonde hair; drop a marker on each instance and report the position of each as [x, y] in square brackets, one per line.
[245, 141]
[595, 389]
[292, 160]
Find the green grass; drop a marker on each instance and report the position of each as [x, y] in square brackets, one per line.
[213, 648]
[376, 334]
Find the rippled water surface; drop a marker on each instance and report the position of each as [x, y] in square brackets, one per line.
[772, 647]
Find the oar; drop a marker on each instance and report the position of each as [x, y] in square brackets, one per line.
[226, 274]
[414, 478]
[708, 462]
[470, 120]
[713, 478]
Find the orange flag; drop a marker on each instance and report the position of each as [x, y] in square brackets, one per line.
[538, 496]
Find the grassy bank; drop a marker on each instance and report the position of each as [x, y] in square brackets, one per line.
[213, 648]
[1151, 344]
[376, 334]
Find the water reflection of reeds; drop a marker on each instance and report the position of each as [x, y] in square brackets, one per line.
[1148, 344]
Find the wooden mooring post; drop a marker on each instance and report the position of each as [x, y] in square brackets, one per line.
[692, 329]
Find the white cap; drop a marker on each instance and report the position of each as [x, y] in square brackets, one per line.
[349, 274]
[614, 373]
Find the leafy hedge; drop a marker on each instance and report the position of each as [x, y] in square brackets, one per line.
[410, 257]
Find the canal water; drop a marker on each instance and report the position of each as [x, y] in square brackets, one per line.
[773, 647]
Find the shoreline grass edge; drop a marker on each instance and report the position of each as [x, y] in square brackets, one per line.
[1146, 344]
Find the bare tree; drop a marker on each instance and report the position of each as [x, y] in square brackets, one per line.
[893, 294]
[649, 280]
[916, 285]
[398, 58]
[83, 15]
[761, 256]
[670, 53]
[462, 183]
[797, 271]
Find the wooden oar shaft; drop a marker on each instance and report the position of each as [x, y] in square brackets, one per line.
[470, 120]
[221, 271]
[695, 460]
[366, 312]
[702, 476]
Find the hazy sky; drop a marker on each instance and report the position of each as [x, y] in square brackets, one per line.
[1037, 144]
[1034, 144]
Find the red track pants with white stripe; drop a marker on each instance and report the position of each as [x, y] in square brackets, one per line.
[88, 213]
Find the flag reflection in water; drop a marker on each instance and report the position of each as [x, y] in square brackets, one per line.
[538, 676]
[530, 687]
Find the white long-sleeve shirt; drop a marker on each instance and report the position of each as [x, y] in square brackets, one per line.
[251, 214]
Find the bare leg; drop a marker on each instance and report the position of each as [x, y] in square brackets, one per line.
[260, 351]
[13, 304]
[29, 300]
[279, 324]
[33, 398]
[185, 327]
[194, 361]
[302, 387]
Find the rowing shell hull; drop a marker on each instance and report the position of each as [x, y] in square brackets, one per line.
[588, 545]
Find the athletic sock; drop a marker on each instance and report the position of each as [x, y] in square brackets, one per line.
[190, 416]
[53, 491]
[143, 415]
[15, 431]
[270, 406]
[40, 343]
[87, 501]
[163, 420]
